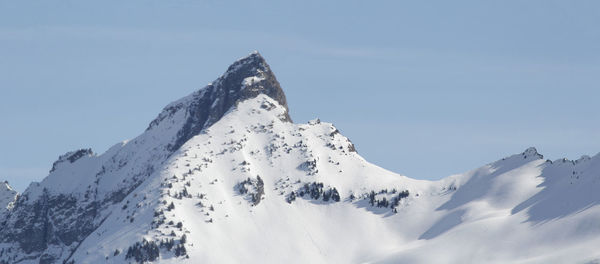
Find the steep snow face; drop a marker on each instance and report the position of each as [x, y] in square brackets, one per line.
[223, 176]
[53, 216]
[7, 197]
[251, 182]
[127, 163]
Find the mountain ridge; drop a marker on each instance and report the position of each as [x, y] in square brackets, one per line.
[245, 78]
[238, 181]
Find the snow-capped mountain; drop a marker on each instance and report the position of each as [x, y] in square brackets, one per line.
[224, 176]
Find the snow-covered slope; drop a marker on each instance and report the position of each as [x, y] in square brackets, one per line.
[521, 209]
[224, 176]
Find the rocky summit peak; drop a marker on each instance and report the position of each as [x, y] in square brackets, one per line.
[254, 59]
[221, 177]
[244, 79]
[532, 152]
[250, 76]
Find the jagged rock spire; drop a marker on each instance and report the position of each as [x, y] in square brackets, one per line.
[250, 76]
[244, 79]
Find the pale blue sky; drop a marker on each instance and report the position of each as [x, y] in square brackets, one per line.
[423, 88]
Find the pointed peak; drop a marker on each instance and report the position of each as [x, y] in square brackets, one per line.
[252, 56]
[532, 152]
[246, 78]
[4, 186]
[251, 62]
[252, 65]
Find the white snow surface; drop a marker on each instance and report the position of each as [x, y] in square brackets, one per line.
[521, 209]
[252, 80]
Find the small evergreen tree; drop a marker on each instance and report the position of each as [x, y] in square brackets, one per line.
[183, 239]
[335, 195]
[372, 198]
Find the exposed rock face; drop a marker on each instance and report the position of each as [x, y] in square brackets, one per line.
[49, 226]
[224, 176]
[48, 222]
[244, 79]
[72, 156]
[7, 197]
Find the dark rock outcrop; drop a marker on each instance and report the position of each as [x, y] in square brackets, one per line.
[43, 220]
[72, 156]
[246, 78]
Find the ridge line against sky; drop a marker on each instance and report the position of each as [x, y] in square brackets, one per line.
[454, 84]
